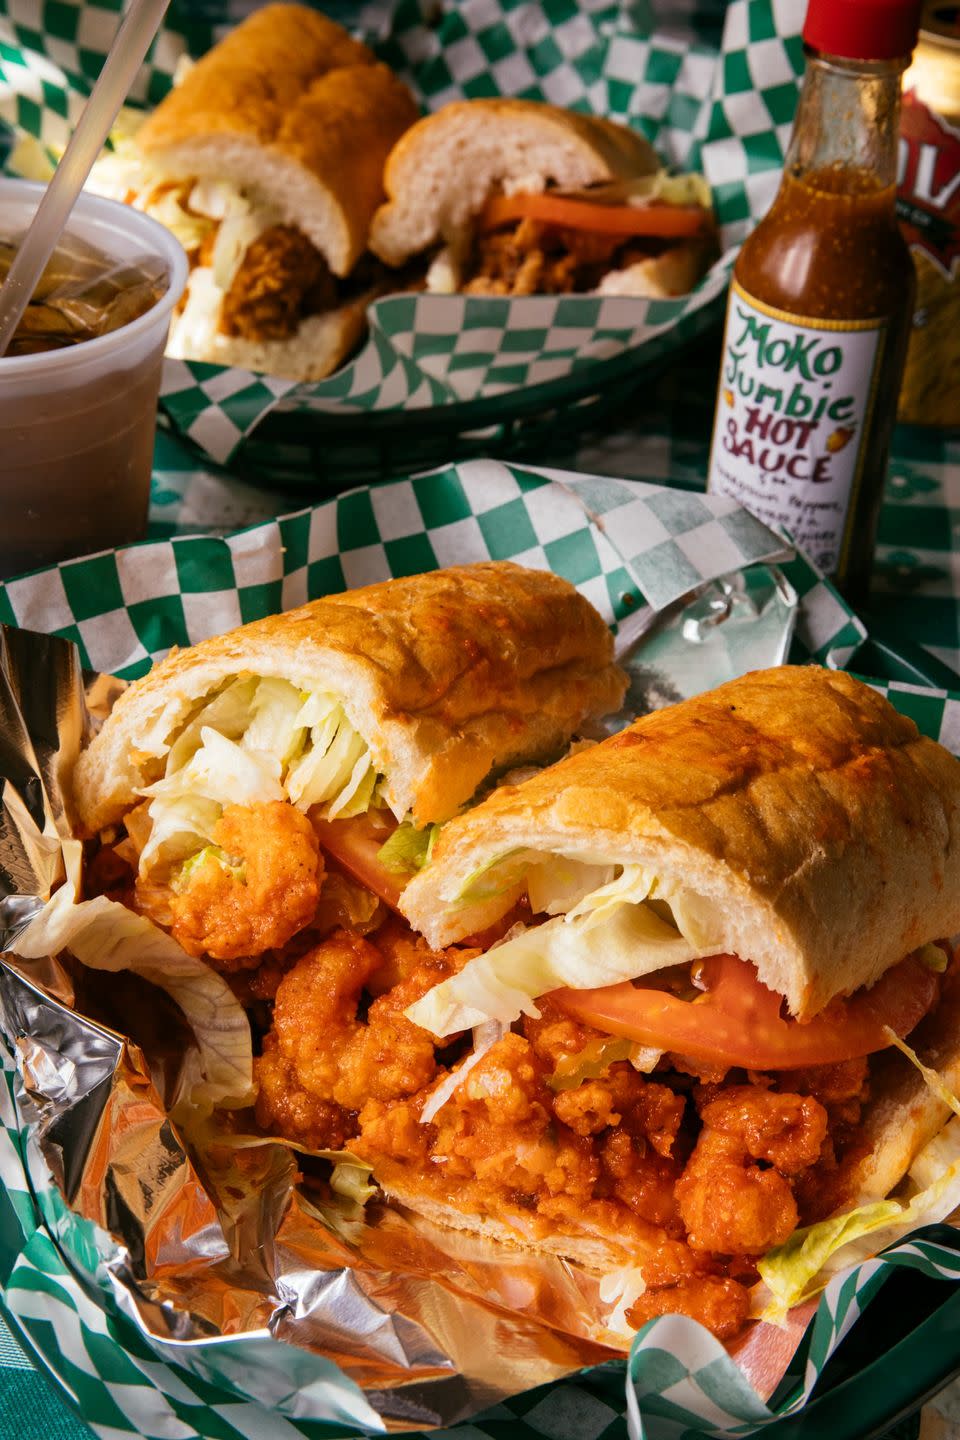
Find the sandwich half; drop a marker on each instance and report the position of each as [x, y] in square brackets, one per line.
[224, 777]
[517, 197]
[651, 1017]
[267, 162]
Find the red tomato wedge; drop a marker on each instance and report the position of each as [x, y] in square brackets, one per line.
[737, 1021]
[661, 221]
[355, 844]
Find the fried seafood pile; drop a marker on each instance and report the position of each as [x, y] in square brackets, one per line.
[691, 1175]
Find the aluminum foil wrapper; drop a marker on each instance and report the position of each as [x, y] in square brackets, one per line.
[232, 1254]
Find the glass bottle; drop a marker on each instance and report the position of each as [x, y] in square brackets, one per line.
[821, 299]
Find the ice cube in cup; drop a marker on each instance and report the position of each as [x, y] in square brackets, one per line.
[79, 384]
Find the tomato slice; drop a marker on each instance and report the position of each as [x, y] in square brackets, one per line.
[661, 221]
[737, 1021]
[355, 844]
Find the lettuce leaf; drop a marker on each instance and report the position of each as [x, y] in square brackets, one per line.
[105, 935]
[803, 1266]
[351, 1179]
[577, 950]
[790, 1272]
[277, 726]
[556, 884]
[495, 876]
[408, 848]
[227, 712]
[186, 805]
[181, 879]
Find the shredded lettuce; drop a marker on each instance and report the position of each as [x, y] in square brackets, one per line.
[351, 1179]
[801, 1267]
[241, 220]
[105, 935]
[582, 951]
[227, 712]
[277, 725]
[686, 189]
[484, 1038]
[623, 929]
[408, 849]
[182, 877]
[495, 876]
[253, 741]
[556, 884]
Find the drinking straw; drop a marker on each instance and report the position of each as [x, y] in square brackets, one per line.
[130, 45]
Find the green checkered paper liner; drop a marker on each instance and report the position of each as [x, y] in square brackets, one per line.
[710, 86]
[635, 550]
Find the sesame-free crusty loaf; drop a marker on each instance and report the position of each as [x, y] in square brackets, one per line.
[822, 826]
[447, 676]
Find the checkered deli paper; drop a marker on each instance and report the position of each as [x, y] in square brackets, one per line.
[635, 551]
[712, 87]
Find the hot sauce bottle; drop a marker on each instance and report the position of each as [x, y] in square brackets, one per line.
[821, 299]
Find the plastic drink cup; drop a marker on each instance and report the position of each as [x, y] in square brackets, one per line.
[77, 424]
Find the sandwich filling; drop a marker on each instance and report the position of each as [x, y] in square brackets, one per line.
[550, 242]
[673, 1119]
[225, 847]
[253, 276]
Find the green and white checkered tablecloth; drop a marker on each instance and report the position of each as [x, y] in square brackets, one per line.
[665, 439]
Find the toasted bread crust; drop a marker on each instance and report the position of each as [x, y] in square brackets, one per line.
[823, 826]
[445, 675]
[253, 79]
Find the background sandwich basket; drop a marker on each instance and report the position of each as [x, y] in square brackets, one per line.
[441, 377]
[59, 1273]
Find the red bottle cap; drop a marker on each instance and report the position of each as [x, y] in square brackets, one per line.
[862, 29]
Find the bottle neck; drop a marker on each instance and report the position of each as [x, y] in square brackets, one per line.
[848, 118]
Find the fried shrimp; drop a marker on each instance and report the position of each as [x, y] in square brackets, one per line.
[255, 890]
[728, 1203]
[321, 1063]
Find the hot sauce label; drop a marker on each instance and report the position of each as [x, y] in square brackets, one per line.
[793, 411]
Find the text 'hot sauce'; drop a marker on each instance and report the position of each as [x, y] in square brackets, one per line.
[821, 299]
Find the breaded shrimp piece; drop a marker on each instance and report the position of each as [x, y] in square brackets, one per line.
[727, 1202]
[265, 891]
[721, 1304]
[320, 1049]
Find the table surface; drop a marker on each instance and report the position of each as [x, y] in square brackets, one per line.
[916, 585]
[916, 595]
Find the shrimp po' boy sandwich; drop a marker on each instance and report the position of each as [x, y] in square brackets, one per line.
[652, 1013]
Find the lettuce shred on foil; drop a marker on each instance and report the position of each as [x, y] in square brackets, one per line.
[105, 935]
[800, 1268]
[624, 929]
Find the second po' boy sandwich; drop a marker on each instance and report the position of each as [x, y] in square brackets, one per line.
[516, 197]
[704, 937]
[267, 162]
